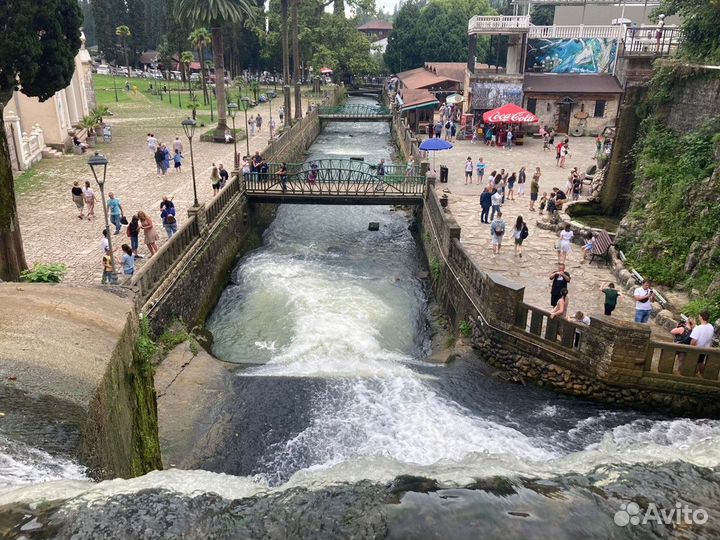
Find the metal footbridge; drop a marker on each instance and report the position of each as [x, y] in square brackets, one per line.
[355, 113]
[336, 181]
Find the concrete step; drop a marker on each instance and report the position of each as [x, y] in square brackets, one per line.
[48, 153]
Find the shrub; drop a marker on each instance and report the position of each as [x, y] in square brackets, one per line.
[44, 273]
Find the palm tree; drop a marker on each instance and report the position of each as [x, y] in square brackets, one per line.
[124, 32]
[296, 60]
[186, 58]
[200, 38]
[215, 13]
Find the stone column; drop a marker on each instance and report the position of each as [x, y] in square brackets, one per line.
[619, 348]
[514, 55]
[199, 213]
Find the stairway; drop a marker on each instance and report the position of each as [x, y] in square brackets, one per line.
[48, 153]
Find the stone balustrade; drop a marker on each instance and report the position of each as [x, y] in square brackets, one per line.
[25, 149]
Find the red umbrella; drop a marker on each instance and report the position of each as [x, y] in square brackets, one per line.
[325, 70]
[510, 114]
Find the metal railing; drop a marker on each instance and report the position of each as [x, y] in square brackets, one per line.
[494, 24]
[588, 2]
[645, 41]
[336, 177]
[355, 111]
[576, 32]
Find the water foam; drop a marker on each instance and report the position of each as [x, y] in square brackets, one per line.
[23, 464]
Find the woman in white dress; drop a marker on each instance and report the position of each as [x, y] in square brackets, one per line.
[566, 237]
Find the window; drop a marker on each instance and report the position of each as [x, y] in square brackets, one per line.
[531, 105]
[599, 109]
[549, 107]
[582, 107]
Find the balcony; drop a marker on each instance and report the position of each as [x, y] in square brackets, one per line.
[642, 41]
[502, 24]
[576, 32]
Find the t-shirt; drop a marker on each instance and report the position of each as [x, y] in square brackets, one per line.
[468, 166]
[611, 296]
[105, 245]
[76, 191]
[496, 198]
[566, 236]
[704, 334]
[480, 167]
[534, 187]
[642, 306]
[497, 226]
[559, 283]
[128, 264]
[114, 206]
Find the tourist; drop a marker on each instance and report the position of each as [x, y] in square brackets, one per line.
[558, 154]
[79, 144]
[151, 235]
[166, 158]
[133, 232]
[611, 298]
[644, 296]
[480, 168]
[551, 141]
[520, 233]
[511, 187]
[491, 180]
[89, 198]
[224, 176]
[256, 163]
[272, 126]
[160, 161]
[488, 136]
[177, 146]
[702, 336]
[438, 129]
[313, 174]
[128, 261]
[281, 114]
[565, 243]
[468, 170]
[599, 143]
[105, 243]
[509, 139]
[152, 143]
[497, 231]
[546, 141]
[77, 197]
[167, 214]
[534, 191]
[581, 318]
[576, 188]
[215, 179]
[116, 212]
[485, 204]
[380, 171]
[496, 203]
[282, 175]
[522, 178]
[246, 168]
[551, 207]
[543, 202]
[409, 167]
[251, 125]
[561, 306]
[588, 246]
[453, 131]
[560, 197]
[107, 268]
[559, 281]
[564, 153]
[258, 122]
[178, 159]
[682, 335]
[500, 185]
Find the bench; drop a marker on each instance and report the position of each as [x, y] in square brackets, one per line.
[601, 246]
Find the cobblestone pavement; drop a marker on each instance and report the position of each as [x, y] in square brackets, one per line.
[50, 227]
[539, 257]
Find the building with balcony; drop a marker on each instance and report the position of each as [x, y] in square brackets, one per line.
[376, 30]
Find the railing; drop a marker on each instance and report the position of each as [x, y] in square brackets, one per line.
[682, 360]
[576, 31]
[355, 111]
[643, 41]
[583, 2]
[336, 177]
[482, 23]
[218, 204]
[559, 331]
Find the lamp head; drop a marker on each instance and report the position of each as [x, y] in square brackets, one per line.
[232, 109]
[246, 102]
[98, 164]
[189, 127]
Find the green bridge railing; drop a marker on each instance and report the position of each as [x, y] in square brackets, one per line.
[356, 111]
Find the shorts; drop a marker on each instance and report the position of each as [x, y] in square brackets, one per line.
[533, 196]
[468, 174]
[519, 241]
[216, 186]
[178, 164]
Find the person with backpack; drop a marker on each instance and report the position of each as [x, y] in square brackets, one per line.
[520, 233]
[167, 214]
[497, 231]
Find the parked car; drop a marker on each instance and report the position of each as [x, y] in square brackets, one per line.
[176, 75]
[103, 69]
[194, 77]
[121, 71]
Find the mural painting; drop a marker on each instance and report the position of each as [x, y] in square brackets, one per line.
[488, 95]
[583, 55]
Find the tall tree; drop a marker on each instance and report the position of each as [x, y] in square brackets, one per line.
[285, 60]
[214, 13]
[186, 58]
[200, 39]
[296, 60]
[124, 33]
[37, 50]
[700, 20]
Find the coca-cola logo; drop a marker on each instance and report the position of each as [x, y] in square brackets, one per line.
[512, 118]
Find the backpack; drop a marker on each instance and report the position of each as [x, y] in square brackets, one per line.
[447, 125]
[524, 232]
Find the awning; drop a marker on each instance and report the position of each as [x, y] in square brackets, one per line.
[509, 114]
[431, 104]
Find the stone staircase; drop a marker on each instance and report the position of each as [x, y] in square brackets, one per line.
[49, 153]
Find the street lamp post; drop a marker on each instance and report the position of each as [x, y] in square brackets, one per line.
[189, 127]
[246, 105]
[270, 122]
[232, 111]
[115, 87]
[98, 160]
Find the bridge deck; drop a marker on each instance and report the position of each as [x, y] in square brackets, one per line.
[355, 113]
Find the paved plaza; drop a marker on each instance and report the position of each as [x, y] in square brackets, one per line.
[539, 256]
[51, 230]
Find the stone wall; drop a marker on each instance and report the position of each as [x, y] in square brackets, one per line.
[612, 361]
[696, 100]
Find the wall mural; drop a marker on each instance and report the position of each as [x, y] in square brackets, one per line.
[586, 55]
[493, 95]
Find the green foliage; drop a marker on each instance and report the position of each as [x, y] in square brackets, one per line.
[697, 306]
[700, 20]
[465, 329]
[433, 31]
[44, 273]
[435, 269]
[146, 347]
[339, 46]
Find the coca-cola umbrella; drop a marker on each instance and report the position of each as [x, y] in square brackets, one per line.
[433, 145]
[509, 114]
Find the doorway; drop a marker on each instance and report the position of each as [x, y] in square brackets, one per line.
[565, 106]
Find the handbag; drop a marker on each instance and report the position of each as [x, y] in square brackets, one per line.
[123, 220]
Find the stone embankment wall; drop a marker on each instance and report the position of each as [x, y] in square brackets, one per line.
[184, 280]
[612, 361]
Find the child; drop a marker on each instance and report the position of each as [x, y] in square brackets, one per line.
[543, 202]
[178, 159]
[468, 170]
[480, 167]
[546, 141]
[611, 298]
[588, 246]
[107, 268]
[128, 260]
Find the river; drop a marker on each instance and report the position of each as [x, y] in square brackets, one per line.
[340, 430]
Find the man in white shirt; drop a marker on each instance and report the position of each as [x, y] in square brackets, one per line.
[644, 297]
[702, 334]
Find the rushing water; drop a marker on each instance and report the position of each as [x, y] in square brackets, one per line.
[340, 430]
